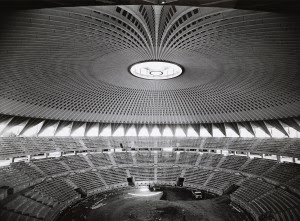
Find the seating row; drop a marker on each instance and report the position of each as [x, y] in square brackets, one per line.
[210, 160]
[114, 175]
[168, 158]
[197, 176]
[145, 157]
[87, 181]
[75, 162]
[266, 201]
[283, 172]
[100, 159]
[28, 207]
[187, 158]
[58, 189]
[233, 162]
[24, 173]
[21, 146]
[168, 173]
[12, 177]
[123, 158]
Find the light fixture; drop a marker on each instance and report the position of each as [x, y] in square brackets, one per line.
[155, 70]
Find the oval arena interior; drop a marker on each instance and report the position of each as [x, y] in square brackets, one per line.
[149, 110]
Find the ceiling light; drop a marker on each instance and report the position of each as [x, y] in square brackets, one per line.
[155, 70]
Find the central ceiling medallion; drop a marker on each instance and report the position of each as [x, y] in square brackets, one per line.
[155, 70]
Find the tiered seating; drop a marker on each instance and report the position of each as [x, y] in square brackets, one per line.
[142, 173]
[271, 146]
[252, 189]
[262, 200]
[67, 144]
[221, 180]
[20, 146]
[210, 159]
[144, 157]
[213, 143]
[92, 143]
[168, 173]
[41, 198]
[166, 157]
[278, 203]
[123, 158]
[41, 145]
[197, 176]
[58, 189]
[10, 176]
[289, 215]
[50, 166]
[87, 181]
[28, 207]
[258, 166]
[284, 172]
[27, 169]
[12, 216]
[292, 149]
[99, 159]
[233, 162]
[75, 162]
[188, 158]
[242, 144]
[114, 175]
[294, 183]
[9, 146]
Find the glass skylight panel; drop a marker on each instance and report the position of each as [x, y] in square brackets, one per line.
[155, 70]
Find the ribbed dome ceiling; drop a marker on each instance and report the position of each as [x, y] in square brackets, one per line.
[72, 64]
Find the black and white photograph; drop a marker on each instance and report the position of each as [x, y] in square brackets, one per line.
[149, 110]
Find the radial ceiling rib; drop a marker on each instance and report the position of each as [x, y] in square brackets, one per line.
[102, 126]
[173, 129]
[283, 6]
[114, 128]
[62, 125]
[196, 128]
[47, 124]
[247, 126]
[224, 79]
[150, 128]
[234, 127]
[208, 127]
[221, 127]
[31, 123]
[291, 123]
[89, 126]
[278, 126]
[261, 125]
[4, 121]
[161, 128]
[138, 128]
[184, 127]
[5, 118]
[126, 128]
[16, 121]
[76, 126]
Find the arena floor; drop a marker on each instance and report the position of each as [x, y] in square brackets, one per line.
[170, 204]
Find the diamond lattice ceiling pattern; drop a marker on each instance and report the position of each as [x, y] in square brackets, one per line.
[73, 64]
